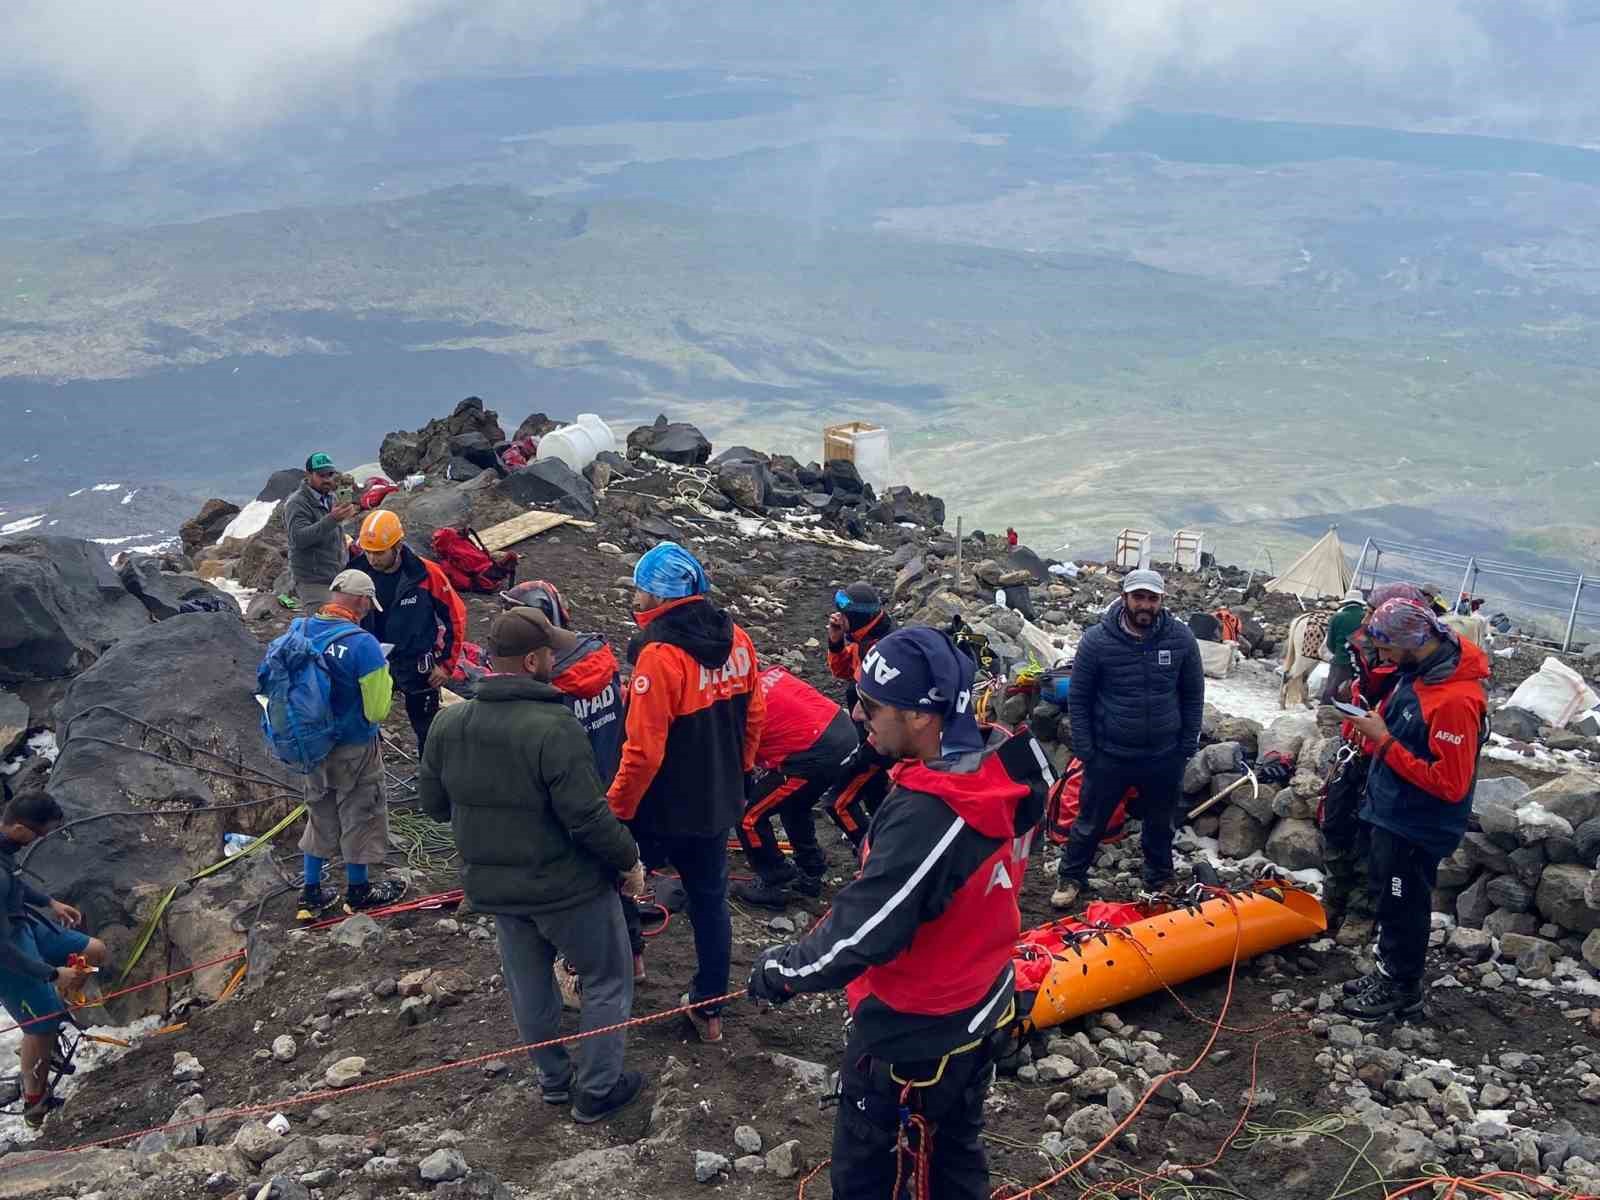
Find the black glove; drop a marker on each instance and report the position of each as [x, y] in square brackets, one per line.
[766, 985]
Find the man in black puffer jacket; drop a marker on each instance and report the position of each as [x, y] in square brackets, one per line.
[1138, 690]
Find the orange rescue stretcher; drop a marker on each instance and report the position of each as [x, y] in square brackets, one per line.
[1100, 965]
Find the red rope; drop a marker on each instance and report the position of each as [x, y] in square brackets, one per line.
[138, 987]
[256, 1110]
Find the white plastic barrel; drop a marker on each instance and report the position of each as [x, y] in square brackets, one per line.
[872, 456]
[578, 444]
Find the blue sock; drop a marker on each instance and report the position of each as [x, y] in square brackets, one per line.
[355, 873]
[313, 871]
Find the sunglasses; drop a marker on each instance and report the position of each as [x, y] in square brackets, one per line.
[843, 602]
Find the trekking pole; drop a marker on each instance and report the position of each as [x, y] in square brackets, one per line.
[1249, 777]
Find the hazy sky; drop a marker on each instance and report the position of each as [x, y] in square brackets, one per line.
[177, 73]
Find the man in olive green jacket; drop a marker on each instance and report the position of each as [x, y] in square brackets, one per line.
[540, 848]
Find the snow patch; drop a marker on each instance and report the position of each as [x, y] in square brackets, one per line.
[23, 524]
[79, 492]
[128, 499]
[232, 587]
[1249, 691]
[42, 743]
[90, 1056]
[107, 487]
[252, 519]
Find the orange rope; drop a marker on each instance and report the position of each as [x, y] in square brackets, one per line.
[138, 987]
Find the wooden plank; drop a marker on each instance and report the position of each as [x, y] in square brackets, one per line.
[520, 529]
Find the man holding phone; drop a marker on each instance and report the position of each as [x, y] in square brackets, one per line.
[313, 517]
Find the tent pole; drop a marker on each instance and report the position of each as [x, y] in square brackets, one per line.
[1572, 617]
[1466, 583]
[1361, 562]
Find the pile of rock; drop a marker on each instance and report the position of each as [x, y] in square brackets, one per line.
[1527, 867]
[456, 447]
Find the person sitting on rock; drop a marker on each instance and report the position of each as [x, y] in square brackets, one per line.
[346, 811]
[41, 959]
[857, 623]
[417, 612]
[695, 717]
[1427, 737]
[512, 772]
[313, 520]
[804, 745]
[1138, 695]
[585, 672]
[921, 942]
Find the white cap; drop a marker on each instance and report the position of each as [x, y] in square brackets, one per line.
[352, 582]
[1144, 580]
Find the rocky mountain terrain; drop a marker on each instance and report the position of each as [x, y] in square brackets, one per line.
[368, 1059]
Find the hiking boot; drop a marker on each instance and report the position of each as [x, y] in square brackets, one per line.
[708, 1026]
[570, 985]
[808, 885]
[1385, 998]
[764, 894]
[638, 968]
[315, 903]
[1065, 897]
[559, 1094]
[623, 1093]
[35, 1113]
[1354, 987]
[363, 897]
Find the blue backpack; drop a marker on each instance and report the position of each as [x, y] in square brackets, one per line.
[298, 719]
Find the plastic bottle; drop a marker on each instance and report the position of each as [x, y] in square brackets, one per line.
[235, 843]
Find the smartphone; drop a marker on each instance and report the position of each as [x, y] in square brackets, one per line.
[1349, 710]
[345, 495]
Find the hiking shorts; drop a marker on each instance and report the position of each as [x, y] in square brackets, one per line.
[26, 998]
[346, 812]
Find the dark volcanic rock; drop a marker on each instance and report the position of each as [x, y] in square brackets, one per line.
[205, 527]
[672, 441]
[550, 483]
[164, 593]
[430, 449]
[61, 607]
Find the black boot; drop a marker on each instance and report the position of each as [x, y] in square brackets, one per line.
[764, 893]
[808, 884]
[364, 896]
[1383, 997]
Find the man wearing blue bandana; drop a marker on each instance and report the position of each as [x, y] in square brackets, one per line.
[695, 715]
[921, 941]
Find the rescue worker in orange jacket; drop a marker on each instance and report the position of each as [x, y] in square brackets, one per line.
[858, 622]
[695, 716]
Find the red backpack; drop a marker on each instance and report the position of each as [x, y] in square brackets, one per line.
[1061, 807]
[468, 564]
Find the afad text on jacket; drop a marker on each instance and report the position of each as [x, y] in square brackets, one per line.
[695, 717]
[1424, 773]
[922, 939]
[589, 679]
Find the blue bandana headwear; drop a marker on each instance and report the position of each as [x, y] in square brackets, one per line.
[670, 571]
[923, 670]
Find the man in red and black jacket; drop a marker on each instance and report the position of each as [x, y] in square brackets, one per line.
[422, 616]
[922, 940]
[1426, 738]
[1347, 840]
[856, 625]
[695, 717]
[804, 745]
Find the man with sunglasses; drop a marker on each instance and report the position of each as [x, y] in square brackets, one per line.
[313, 518]
[858, 622]
[921, 941]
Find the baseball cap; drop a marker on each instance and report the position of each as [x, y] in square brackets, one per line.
[352, 582]
[1144, 580]
[518, 632]
[320, 462]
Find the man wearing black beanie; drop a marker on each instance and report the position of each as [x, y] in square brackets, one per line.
[921, 941]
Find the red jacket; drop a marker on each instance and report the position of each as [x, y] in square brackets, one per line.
[797, 716]
[922, 939]
[844, 660]
[695, 718]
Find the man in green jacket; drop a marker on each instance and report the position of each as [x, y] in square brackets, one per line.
[1341, 625]
[540, 849]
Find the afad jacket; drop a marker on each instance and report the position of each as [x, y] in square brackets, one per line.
[922, 939]
[806, 735]
[1425, 770]
[695, 717]
[844, 660]
[426, 622]
[589, 679]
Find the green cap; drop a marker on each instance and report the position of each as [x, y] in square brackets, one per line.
[320, 462]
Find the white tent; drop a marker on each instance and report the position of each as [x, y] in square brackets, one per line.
[1321, 571]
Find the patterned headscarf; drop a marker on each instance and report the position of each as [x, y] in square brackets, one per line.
[1403, 625]
[671, 572]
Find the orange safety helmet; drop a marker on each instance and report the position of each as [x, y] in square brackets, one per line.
[380, 530]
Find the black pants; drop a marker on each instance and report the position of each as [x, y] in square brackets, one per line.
[1403, 875]
[867, 1125]
[860, 791]
[1105, 781]
[1348, 842]
[421, 708]
[791, 799]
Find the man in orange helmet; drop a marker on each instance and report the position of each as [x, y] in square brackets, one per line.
[422, 617]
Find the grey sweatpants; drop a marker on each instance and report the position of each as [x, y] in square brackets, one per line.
[593, 939]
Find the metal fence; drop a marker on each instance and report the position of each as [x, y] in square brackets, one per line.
[1559, 593]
